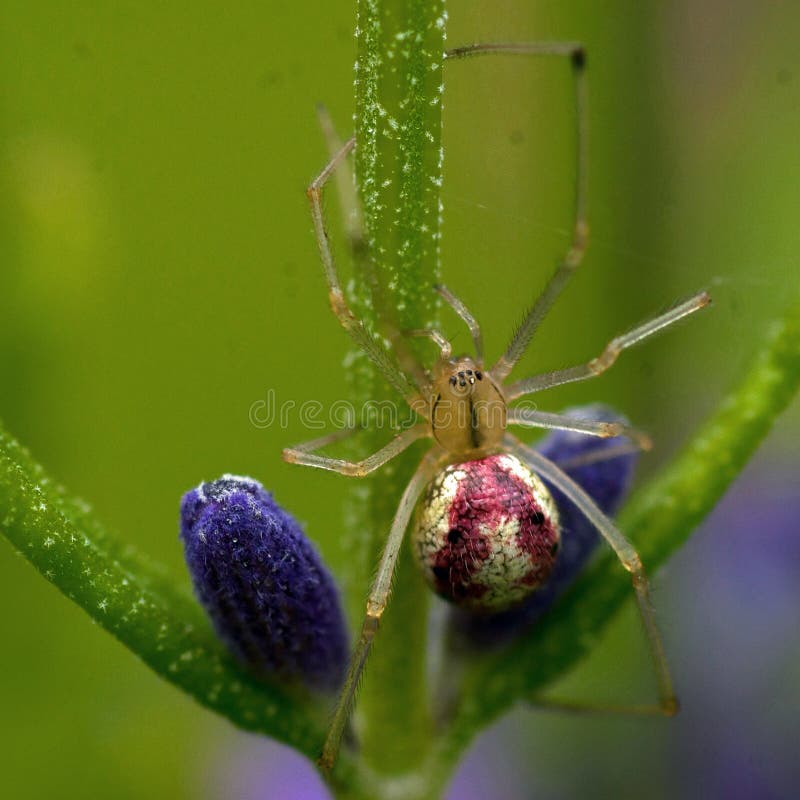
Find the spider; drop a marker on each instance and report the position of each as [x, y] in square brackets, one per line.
[464, 406]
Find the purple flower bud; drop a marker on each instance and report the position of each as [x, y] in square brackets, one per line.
[268, 594]
[590, 462]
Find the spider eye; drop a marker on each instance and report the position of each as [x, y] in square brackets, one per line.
[464, 378]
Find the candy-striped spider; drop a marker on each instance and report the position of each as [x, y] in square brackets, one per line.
[465, 411]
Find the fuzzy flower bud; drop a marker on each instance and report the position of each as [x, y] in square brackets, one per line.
[268, 594]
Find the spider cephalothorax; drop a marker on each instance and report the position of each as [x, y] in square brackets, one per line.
[467, 408]
[487, 529]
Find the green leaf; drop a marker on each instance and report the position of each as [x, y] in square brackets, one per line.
[135, 600]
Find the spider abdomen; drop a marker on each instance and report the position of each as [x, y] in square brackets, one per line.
[487, 533]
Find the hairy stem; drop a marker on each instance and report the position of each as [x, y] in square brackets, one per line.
[398, 86]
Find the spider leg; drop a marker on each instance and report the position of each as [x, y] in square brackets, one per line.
[366, 340]
[322, 441]
[437, 338]
[353, 221]
[668, 703]
[528, 418]
[304, 453]
[575, 52]
[352, 218]
[376, 602]
[463, 312]
[611, 352]
[598, 456]
[579, 707]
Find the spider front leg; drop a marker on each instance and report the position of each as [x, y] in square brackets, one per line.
[376, 602]
[352, 218]
[445, 350]
[304, 453]
[527, 418]
[353, 223]
[464, 313]
[575, 52]
[606, 359]
[373, 348]
[668, 703]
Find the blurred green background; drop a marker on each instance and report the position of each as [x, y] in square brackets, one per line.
[158, 275]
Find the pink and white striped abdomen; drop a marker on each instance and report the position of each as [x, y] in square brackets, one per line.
[487, 533]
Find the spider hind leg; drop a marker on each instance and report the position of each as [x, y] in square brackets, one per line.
[629, 558]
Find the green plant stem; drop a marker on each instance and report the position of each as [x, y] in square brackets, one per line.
[136, 601]
[398, 172]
